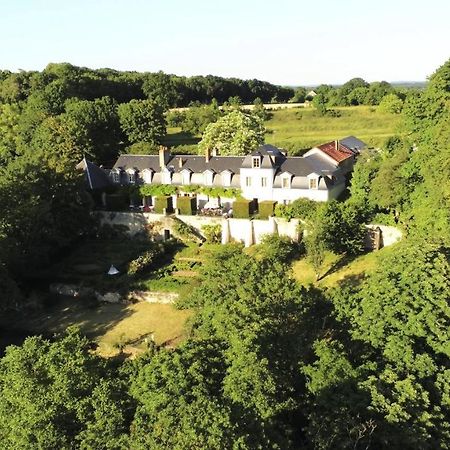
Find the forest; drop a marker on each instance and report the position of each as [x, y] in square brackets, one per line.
[269, 363]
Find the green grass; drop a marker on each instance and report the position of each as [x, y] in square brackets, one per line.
[298, 129]
[109, 325]
[339, 270]
[302, 128]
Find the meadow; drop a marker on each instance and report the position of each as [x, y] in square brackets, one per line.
[302, 128]
[298, 129]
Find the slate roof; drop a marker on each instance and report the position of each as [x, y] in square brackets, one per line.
[271, 157]
[297, 166]
[196, 164]
[96, 177]
[140, 162]
[353, 143]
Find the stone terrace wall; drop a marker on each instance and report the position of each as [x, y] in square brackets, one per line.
[247, 231]
[243, 230]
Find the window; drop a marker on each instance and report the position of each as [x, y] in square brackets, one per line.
[248, 181]
[116, 177]
[285, 183]
[131, 177]
[313, 183]
[256, 162]
[264, 182]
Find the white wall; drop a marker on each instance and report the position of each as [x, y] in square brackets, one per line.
[241, 230]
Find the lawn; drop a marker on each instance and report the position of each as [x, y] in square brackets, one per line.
[338, 270]
[110, 326]
[298, 129]
[115, 327]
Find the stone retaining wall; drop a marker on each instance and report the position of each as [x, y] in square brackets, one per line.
[247, 231]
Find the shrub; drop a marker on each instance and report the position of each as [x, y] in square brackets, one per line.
[212, 233]
[278, 248]
[301, 208]
[187, 205]
[163, 202]
[266, 208]
[242, 208]
[144, 261]
[184, 231]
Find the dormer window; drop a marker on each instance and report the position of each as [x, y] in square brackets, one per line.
[186, 176]
[131, 174]
[313, 183]
[256, 162]
[226, 178]
[286, 182]
[208, 177]
[116, 177]
[147, 175]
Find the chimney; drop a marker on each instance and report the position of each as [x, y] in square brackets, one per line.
[207, 155]
[336, 145]
[180, 163]
[163, 156]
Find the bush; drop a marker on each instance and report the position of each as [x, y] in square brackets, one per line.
[266, 208]
[184, 231]
[144, 262]
[163, 202]
[242, 208]
[212, 233]
[278, 248]
[301, 208]
[187, 205]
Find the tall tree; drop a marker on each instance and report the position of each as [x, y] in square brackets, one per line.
[142, 120]
[59, 395]
[236, 133]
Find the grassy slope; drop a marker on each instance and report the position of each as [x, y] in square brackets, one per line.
[301, 128]
[339, 269]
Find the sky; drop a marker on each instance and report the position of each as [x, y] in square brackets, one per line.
[288, 42]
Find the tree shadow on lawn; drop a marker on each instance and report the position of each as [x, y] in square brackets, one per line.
[343, 261]
[93, 319]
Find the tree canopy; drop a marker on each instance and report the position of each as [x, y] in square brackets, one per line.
[236, 133]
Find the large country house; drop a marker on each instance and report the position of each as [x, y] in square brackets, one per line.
[265, 174]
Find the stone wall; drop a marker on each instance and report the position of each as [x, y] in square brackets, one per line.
[246, 231]
[389, 235]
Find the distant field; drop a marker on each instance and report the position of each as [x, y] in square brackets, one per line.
[301, 128]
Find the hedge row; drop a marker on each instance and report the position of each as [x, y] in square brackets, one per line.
[266, 208]
[243, 209]
[163, 202]
[187, 205]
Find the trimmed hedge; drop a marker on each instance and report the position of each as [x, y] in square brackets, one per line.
[116, 202]
[187, 205]
[266, 208]
[161, 202]
[242, 208]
